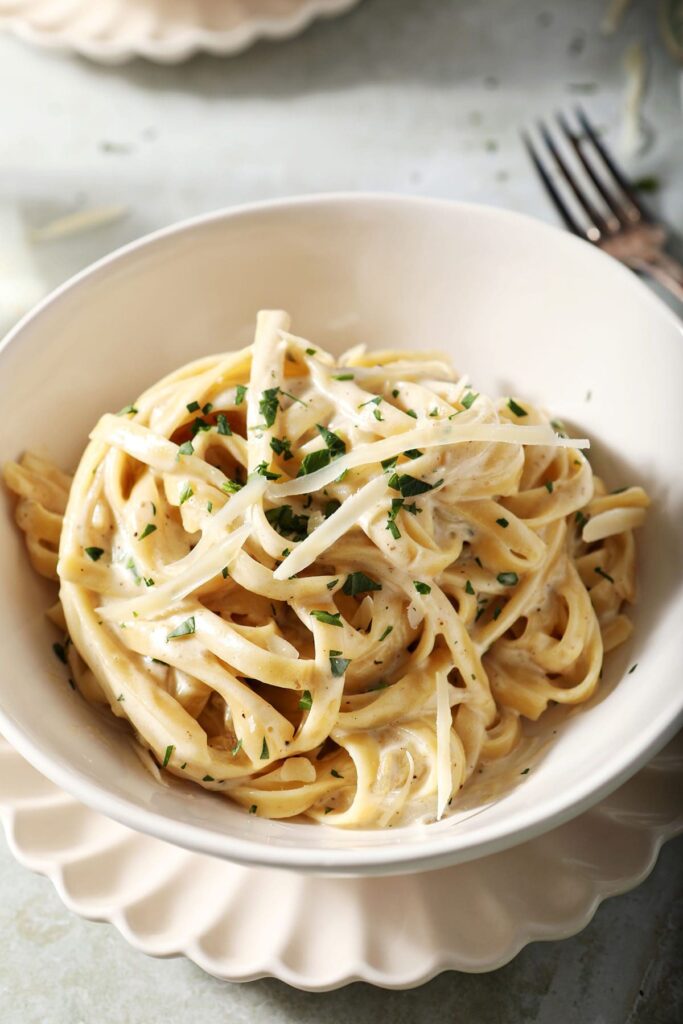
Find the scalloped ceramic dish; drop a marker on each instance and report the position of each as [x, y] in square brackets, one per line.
[165, 31]
[394, 932]
[514, 301]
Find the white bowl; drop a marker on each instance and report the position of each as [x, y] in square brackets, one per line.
[521, 307]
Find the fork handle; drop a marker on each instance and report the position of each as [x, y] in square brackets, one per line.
[667, 271]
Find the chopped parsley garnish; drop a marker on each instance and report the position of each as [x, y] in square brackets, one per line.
[338, 664]
[469, 589]
[167, 756]
[496, 613]
[377, 414]
[311, 351]
[306, 701]
[395, 393]
[422, 588]
[342, 376]
[371, 401]
[389, 463]
[411, 412]
[265, 754]
[385, 634]
[328, 810]
[231, 487]
[503, 522]
[332, 584]
[149, 582]
[524, 771]
[359, 583]
[605, 575]
[392, 527]
[199, 424]
[253, 809]
[515, 408]
[288, 394]
[336, 774]
[282, 446]
[508, 579]
[206, 409]
[150, 528]
[314, 461]
[434, 413]
[633, 668]
[328, 618]
[469, 399]
[193, 407]
[236, 749]
[409, 486]
[94, 553]
[185, 628]
[262, 470]
[209, 506]
[285, 552]
[186, 449]
[120, 698]
[130, 565]
[225, 572]
[413, 453]
[222, 425]
[208, 778]
[331, 507]
[549, 486]
[287, 522]
[335, 444]
[240, 394]
[580, 519]
[126, 410]
[268, 405]
[186, 494]
[558, 427]
[60, 651]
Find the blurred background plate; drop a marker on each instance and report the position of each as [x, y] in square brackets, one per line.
[166, 31]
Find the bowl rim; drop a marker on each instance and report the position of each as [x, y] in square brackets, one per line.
[442, 847]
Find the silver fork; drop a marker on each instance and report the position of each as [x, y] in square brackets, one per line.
[613, 217]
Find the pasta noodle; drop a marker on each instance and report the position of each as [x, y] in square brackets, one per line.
[326, 587]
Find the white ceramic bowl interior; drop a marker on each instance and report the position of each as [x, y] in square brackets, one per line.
[520, 306]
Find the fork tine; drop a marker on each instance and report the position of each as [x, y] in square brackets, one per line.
[555, 196]
[597, 223]
[617, 215]
[612, 167]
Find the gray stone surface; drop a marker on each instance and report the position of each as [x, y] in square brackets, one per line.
[420, 96]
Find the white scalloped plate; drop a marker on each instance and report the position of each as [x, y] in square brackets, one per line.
[322, 933]
[166, 31]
